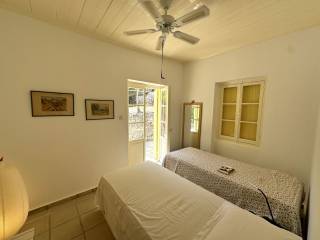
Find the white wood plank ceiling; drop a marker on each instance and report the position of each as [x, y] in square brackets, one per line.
[232, 23]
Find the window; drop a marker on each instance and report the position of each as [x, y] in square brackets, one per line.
[136, 114]
[241, 111]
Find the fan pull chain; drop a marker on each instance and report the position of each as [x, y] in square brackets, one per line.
[162, 74]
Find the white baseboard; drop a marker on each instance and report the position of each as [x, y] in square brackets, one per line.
[27, 235]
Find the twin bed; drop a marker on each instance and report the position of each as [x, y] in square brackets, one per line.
[284, 192]
[149, 202]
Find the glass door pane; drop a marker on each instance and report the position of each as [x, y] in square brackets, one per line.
[150, 125]
[136, 96]
[163, 143]
[136, 131]
[136, 114]
[195, 117]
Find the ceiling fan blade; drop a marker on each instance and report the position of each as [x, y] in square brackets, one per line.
[151, 8]
[137, 32]
[165, 3]
[194, 15]
[186, 37]
[161, 41]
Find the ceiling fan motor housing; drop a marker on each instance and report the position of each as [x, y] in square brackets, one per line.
[165, 24]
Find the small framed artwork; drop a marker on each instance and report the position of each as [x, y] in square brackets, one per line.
[45, 104]
[99, 109]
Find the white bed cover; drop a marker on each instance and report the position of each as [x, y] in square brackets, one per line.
[150, 202]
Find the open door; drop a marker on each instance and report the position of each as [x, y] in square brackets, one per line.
[147, 122]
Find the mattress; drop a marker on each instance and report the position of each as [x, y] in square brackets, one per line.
[240, 187]
[149, 202]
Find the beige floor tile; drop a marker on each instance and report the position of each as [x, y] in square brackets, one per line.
[86, 203]
[67, 230]
[40, 225]
[100, 232]
[91, 219]
[63, 213]
[42, 236]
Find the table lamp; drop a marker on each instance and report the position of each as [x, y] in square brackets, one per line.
[14, 203]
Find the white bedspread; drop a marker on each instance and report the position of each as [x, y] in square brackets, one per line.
[150, 202]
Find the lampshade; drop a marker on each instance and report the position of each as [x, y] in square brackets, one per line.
[14, 203]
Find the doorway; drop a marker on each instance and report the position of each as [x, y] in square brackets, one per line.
[147, 122]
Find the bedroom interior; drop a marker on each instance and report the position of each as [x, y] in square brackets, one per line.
[159, 119]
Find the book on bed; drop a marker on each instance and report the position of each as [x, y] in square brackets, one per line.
[226, 170]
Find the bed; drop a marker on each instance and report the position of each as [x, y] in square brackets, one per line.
[149, 202]
[240, 187]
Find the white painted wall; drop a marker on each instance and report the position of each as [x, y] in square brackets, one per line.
[314, 223]
[62, 156]
[290, 64]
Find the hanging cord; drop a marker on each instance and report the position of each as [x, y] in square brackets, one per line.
[270, 211]
[162, 46]
[267, 218]
[272, 220]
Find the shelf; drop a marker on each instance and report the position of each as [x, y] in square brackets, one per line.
[228, 120]
[249, 122]
[253, 103]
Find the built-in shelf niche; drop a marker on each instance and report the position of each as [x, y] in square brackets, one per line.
[240, 111]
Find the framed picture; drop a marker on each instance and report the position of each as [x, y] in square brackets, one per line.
[99, 109]
[45, 104]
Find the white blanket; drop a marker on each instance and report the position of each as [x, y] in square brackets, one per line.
[150, 202]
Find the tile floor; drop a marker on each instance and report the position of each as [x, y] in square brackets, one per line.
[77, 219]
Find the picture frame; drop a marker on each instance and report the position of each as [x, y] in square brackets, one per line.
[97, 109]
[51, 104]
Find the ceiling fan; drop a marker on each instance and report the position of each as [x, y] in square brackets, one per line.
[166, 24]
